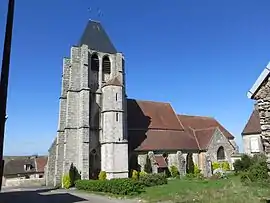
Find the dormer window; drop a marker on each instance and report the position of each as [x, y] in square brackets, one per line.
[28, 167]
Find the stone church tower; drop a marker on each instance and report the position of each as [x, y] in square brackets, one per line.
[92, 129]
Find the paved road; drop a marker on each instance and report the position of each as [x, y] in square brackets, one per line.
[32, 195]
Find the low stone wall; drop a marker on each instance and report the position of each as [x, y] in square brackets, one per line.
[15, 182]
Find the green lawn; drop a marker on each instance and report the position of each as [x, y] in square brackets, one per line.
[209, 191]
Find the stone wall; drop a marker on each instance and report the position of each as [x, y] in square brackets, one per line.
[114, 145]
[219, 140]
[50, 168]
[18, 182]
[177, 158]
[262, 98]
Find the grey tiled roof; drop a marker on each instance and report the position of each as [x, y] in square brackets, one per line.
[96, 38]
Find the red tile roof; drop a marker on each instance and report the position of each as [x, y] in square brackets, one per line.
[155, 126]
[152, 115]
[202, 122]
[41, 163]
[160, 161]
[253, 125]
[204, 136]
[163, 140]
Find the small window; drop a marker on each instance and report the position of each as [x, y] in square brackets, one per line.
[116, 97]
[117, 117]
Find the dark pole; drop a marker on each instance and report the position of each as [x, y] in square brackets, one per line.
[4, 81]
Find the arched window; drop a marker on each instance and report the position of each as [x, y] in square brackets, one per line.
[93, 75]
[94, 63]
[220, 153]
[106, 68]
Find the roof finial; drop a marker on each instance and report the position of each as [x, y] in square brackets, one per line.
[89, 11]
[99, 14]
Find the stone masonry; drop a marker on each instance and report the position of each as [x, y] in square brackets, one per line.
[262, 98]
[92, 128]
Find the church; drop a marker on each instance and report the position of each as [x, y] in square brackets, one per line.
[101, 129]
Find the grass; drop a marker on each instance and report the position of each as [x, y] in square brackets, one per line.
[206, 191]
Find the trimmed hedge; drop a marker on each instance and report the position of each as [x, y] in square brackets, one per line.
[123, 186]
[150, 180]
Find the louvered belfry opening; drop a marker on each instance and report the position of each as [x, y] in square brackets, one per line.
[106, 68]
[94, 62]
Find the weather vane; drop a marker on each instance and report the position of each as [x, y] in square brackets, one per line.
[98, 15]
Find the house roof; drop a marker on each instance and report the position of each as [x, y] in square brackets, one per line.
[41, 163]
[16, 166]
[96, 38]
[253, 125]
[263, 76]
[155, 126]
[203, 122]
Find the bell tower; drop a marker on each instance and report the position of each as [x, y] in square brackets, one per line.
[108, 146]
[92, 126]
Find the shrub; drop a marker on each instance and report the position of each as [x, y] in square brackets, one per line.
[135, 175]
[153, 179]
[243, 164]
[258, 170]
[148, 165]
[225, 166]
[190, 164]
[174, 171]
[142, 173]
[66, 182]
[215, 165]
[123, 186]
[253, 169]
[73, 175]
[222, 165]
[197, 170]
[102, 175]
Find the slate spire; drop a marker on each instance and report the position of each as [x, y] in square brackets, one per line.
[96, 38]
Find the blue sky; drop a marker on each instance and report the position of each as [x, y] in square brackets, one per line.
[202, 56]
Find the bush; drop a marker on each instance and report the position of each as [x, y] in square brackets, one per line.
[150, 180]
[222, 165]
[123, 186]
[190, 164]
[258, 170]
[102, 175]
[243, 164]
[215, 165]
[197, 171]
[135, 175]
[142, 173]
[66, 182]
[225, 166]
[148, 165]
[174, 171]
[73, 175]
